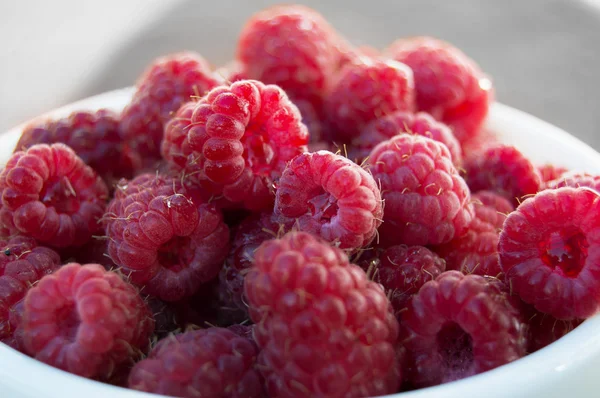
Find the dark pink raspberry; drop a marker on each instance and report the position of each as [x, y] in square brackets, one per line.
[402, 270]
[576, 180]
[163, 87]
[22, 264]
[504, 170]
[476, 252]
[293, 47]
[544, 329]
[236, 141]
[249, 235]
[426, 201]
[449, 85]
[549, 172]
[85, 320]
[548, 251]
[365, 90]
[94, 136]
[403, 122]
[331, 197]
[212, 362]
[323, 328]
[164, 238]
[50, 194]
[458, 326]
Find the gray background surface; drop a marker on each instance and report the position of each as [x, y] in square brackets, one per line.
[543, 55]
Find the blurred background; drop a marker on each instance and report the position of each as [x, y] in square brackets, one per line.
[543, 55]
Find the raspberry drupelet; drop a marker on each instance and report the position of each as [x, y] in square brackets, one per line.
[576, 180]
[236, 141]
[51, 195]
[94, 136]
[323, 328]
[22, 264]
[402, 270]
[166, 84]
[448, 84]
[426, 201]
[505, 170]
[365, 90]
[402, 122]
[549, 252]
[214, 362]
[457, 326]
[331, 197]
[293, 47]
[163, 237]
[476, 252]
[85, 320]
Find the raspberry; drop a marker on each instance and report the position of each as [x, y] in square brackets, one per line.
[164, 238]
[85, 320]
[544, 329]
[549, 172]
[164, 86]
[293, 47]
[366, 90]
[457, 326]
[237, 141]
[503, 169]
[50, 194]
[22, 264]
[402, 270]
[95, 138]
[331, 197]
[548, 252]
[212, 362]
[426, 201]
[449, 85]
[249, 235]
[401, 122]
[323, 328]
[477, 251]
[576, 180]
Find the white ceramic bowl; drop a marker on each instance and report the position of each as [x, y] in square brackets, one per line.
[569, 367]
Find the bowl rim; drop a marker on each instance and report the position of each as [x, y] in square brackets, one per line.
[563, 359]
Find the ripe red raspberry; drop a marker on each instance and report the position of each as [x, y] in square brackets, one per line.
[249, 235]
[22, 264]
[544, 329]
[331, 197]
[426, 201]
[476, 252]
[504, 170]
[366, 90]
[164, 238]
[549, 172]
[458, 326]
[163, 87]
[292, 46]
[95, 138]
[50, 194]
[449, 85]
[402, 270]
[237, 141]
[401, 122]
[576, 180]
[323, 328]
[213, 362]
[85, 320]
[548, 251]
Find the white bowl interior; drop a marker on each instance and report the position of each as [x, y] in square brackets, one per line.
[569, 366]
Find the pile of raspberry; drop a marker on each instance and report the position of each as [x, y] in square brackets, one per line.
[311, 219]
